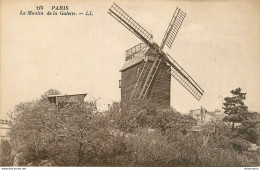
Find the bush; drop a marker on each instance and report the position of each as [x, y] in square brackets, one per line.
[5, 153]
[132, 135]
[250, 129]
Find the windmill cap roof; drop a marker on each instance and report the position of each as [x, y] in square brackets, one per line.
[137, 58]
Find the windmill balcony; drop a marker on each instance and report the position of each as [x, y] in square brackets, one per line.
[130, 52]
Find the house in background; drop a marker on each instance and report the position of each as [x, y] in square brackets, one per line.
[216, 115]
[206, 119]
[204, 116]
[62, 100]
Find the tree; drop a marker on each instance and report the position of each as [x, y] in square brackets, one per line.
[51, 92]
[43, 134]
[68, 136]
[251, 127]
[234, 107]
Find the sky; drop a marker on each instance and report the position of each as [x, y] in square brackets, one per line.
[218, 45]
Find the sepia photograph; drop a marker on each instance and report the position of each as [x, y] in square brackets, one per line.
[130, 83]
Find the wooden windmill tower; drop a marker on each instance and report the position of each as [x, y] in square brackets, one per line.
[148, 70]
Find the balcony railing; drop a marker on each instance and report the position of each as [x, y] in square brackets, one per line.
[130, 52]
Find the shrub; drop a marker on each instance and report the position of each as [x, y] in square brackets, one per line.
[133, 135]
[5, 153]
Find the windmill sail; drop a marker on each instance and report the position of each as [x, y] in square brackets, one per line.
[173, 28]
[122, 17]
[140, 89]
[184, 79]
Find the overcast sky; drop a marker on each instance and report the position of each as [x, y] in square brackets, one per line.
[218, 45]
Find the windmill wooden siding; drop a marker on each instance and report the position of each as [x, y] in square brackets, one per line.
[159, 91]
[161, 86]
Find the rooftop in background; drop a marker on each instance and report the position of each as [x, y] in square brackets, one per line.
[67, 95]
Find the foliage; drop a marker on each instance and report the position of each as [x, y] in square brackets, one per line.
[144, 114]
[50, 92]
[234, 107]
[238, 113]
[5, 152]
[68, 136]
[250, 128]
[137, 134]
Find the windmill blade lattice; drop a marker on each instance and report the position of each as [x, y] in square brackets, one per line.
[122, 17]
[184, 79]
[173, 28]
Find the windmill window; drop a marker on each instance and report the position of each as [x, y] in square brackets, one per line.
[119, 83]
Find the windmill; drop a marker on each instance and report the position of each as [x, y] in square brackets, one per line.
[148, 70]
